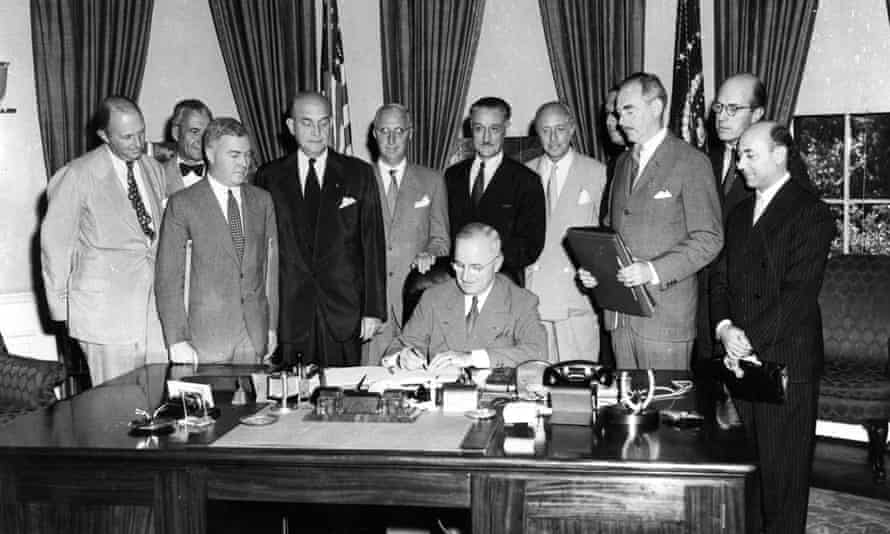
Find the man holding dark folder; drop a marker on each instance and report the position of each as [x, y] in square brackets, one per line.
[665, 207]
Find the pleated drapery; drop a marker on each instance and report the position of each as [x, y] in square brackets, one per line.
[769, 38]
[270, 54]
[592, 46]
[428, 50]
[84, 51]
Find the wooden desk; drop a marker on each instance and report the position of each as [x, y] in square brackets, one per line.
[56, 463]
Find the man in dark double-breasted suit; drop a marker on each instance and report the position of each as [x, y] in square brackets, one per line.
[764, 301]
[331, 237]
[498, 191]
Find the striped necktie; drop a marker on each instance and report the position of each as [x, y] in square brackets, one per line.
[235, 227]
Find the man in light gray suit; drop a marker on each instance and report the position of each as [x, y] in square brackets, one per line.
[574, 185]
[664, 205]
[190, 119]
[229, 227]
[98, 244]
[415, 218]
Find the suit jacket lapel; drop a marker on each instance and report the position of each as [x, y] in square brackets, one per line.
[662, 154]
[491, 317]
[384, 205]
[407, 194]
[777, 210]
[253, 222]
[453, 320]
[154, 195]
[328, 225]
[216, 217]
[571, 190]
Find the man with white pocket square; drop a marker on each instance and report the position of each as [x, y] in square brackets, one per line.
[664, 205]
[573, 185]
[330, 234]
[415, 218]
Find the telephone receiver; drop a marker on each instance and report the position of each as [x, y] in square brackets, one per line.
[578, 373]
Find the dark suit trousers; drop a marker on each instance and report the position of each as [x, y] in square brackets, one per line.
[319, 346]
[785, 438]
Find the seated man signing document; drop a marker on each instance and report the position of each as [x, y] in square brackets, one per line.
[481, 319]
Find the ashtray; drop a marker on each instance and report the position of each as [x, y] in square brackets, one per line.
[481, 413]
[142, 427]
[259, 419]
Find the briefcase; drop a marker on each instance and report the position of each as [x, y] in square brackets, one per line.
[767, 382]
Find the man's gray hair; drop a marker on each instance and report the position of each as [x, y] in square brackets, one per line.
[478, 229]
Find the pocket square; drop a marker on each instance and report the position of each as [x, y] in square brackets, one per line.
[663, 194]
[422, 203]
[346, 202]
[584, 198]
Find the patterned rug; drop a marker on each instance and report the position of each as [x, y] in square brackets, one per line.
[833, 512]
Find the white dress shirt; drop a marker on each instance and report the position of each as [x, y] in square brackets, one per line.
[385, 176]
[763, 198]
[303, 168]
[562, 170]
[120, 170]
[491, 167]
[221, 192]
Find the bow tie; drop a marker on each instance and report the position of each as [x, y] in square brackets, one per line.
[185, 168]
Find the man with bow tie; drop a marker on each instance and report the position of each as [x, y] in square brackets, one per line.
[415, 217]
[574, 186]
[190, 119]
[332, 279]
[98, 244]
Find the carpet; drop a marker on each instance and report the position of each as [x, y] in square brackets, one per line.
[833, 512]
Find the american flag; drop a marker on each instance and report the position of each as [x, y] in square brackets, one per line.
[333, 78]
[687, 119]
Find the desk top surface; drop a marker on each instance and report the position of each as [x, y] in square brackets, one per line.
[96, 423]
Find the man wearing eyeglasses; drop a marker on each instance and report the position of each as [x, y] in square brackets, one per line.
[481, 320]
[497, 190]
[740, 103]
[415, 218]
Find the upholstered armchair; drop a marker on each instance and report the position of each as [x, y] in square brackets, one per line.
[26, 384]
[855, 387]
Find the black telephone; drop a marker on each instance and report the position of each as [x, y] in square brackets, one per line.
[578, 373]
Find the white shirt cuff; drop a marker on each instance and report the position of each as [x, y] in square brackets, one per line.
[720, 326]
[655, 280]
[480, 359]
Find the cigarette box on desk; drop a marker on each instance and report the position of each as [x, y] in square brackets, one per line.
[459, 398]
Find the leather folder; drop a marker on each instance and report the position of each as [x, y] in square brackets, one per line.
[602, 252]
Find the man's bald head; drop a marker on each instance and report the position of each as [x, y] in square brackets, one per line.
[746, 95]
[310, 122]
[555, 126]
[763, 154]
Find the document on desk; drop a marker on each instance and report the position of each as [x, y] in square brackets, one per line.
[379, 378]
[602, 252]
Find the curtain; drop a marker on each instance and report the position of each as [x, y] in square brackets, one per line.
[428, 50]
[84, 51]
[269, 50]
[770, 39]
[592, 46]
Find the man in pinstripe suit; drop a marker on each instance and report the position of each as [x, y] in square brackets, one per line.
[764, 300]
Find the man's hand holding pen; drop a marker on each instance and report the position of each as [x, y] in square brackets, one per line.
[407, 359]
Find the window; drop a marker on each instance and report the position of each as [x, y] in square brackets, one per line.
[849, 162]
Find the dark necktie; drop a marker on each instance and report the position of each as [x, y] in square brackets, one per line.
[185, 168]
[136, 200]
[729, 176]
[311, 199]
[634, 167]
[472, 316]
[393, 192]
[235, 226]
[478, 185]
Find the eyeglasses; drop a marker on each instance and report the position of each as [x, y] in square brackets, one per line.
[474, 268]
[399, 132]
[731, 109]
